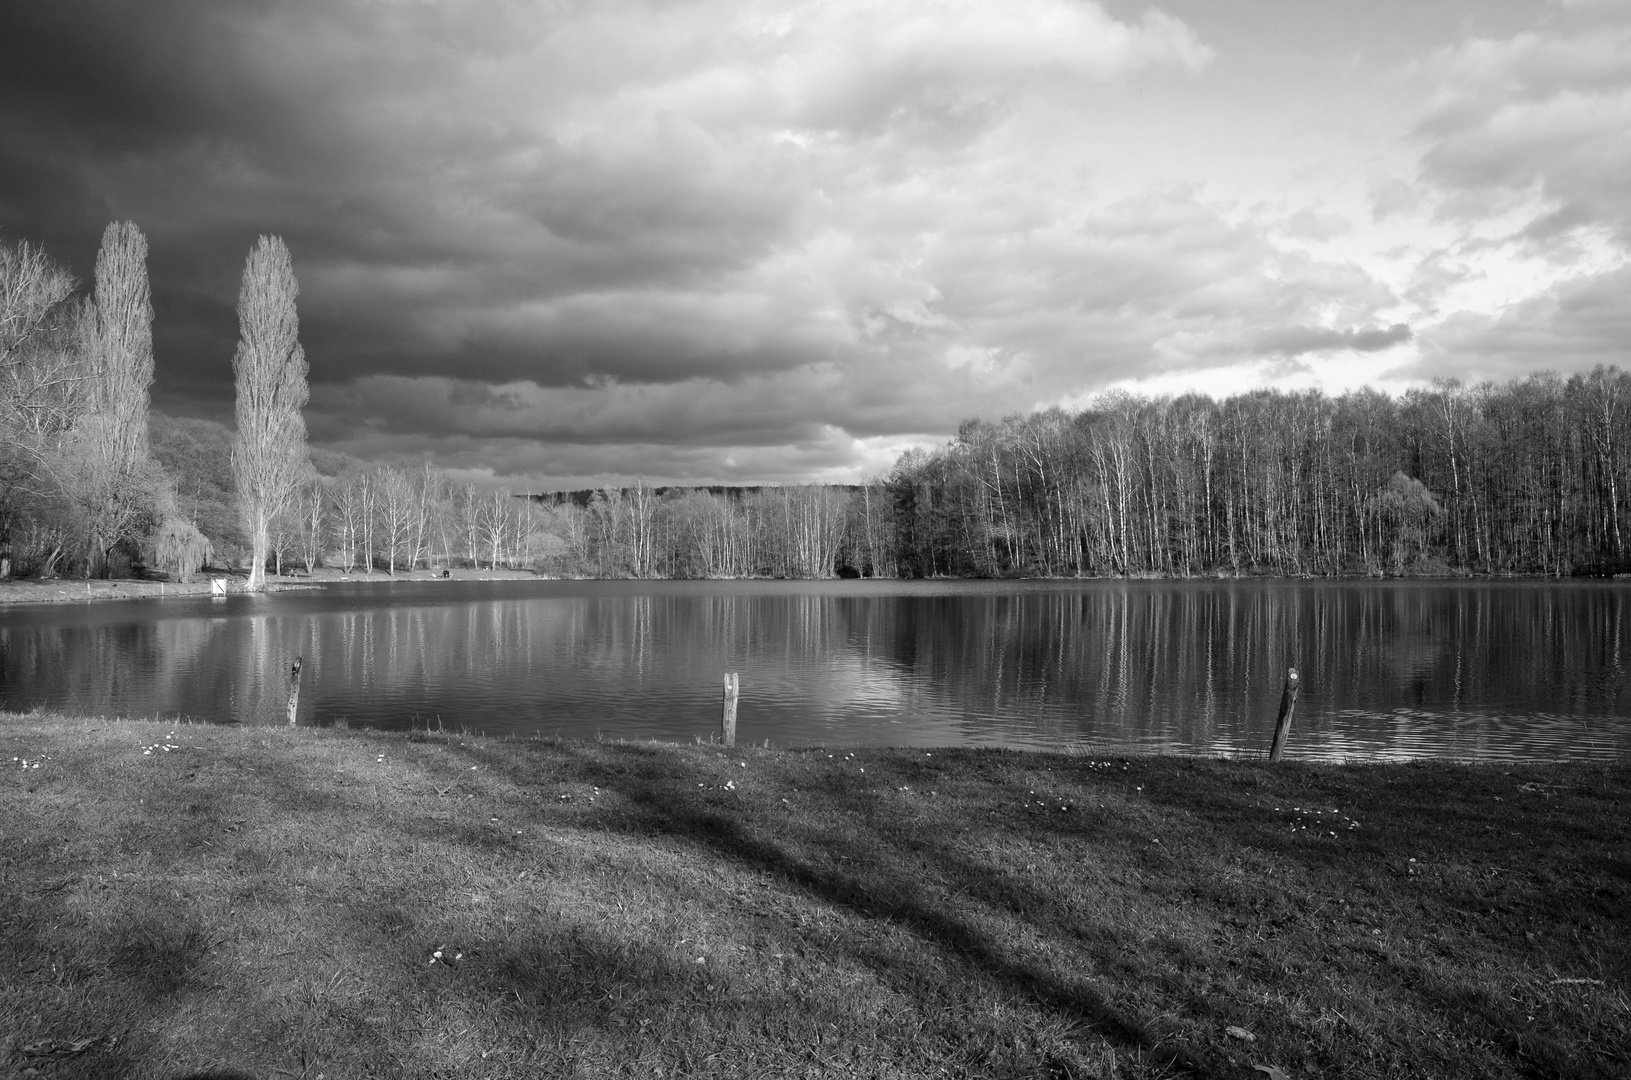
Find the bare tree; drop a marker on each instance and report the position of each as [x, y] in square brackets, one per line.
[368, 516]
[493, 520]
[42, 391]
[42, 377]
[468, 508]
[270, 455]
[114, 479]
[313, 502]
[398, 507]
[348, 520]
[283, 533]
[639, 530]
[429, 489]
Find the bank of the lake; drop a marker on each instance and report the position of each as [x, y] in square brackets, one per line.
[272, 902]
[80, 590]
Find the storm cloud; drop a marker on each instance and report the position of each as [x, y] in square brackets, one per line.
[1297, 340]
[550, 244]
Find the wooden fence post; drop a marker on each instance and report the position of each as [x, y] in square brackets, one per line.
[727, 719]
[294, 689]
[1282, 724]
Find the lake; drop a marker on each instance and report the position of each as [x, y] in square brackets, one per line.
[1478, 670]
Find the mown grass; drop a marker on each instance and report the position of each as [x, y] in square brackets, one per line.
[197, 900]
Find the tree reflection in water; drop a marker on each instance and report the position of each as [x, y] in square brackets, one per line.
[1478, 670]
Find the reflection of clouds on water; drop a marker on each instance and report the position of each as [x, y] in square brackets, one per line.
[1389, 670]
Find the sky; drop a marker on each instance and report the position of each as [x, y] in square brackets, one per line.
[553, 245]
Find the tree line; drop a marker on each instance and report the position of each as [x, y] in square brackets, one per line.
[1526, 477]
[1523, 477]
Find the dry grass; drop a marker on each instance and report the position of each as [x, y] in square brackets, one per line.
[271, 903]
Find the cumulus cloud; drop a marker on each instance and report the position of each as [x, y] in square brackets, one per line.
[1524, 151]
[1537, 120]
[698, 239]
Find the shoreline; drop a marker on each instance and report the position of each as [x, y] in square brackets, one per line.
[81, 590]
[16, 591]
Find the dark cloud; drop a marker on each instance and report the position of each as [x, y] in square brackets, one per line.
[680, 240]
[1290, 341]
[1572, 326]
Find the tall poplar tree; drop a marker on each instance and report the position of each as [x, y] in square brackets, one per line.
[111, 474]
[269, 454]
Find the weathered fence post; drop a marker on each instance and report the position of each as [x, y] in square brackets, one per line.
[294, 689]
[727, 719]
[1282, 724]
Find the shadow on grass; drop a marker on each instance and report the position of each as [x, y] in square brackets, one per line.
[891, 894]
[886, 883]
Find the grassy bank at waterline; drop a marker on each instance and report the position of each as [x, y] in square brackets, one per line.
[260, 902]
[78, 590]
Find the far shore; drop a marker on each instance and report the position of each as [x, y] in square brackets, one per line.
[79, 590]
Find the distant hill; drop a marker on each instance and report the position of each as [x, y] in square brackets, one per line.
[197, 454]
[584, 497]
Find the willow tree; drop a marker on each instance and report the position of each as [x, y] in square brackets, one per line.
[269, 455]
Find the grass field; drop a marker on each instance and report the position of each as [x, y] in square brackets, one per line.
[254, 902]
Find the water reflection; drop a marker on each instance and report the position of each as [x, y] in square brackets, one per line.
[1466, 670]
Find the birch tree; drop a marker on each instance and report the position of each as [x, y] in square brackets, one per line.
[398, 507]
[348, 520]
[269, 455]
[313, 502]
[493, 521]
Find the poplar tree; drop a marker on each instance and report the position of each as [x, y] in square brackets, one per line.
[113, 477]
[269, 455]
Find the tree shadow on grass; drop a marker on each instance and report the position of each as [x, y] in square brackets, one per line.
[875, 874]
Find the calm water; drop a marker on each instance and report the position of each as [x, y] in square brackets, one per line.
[1493, 671]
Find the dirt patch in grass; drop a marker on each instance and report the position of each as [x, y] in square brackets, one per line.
[269, 902]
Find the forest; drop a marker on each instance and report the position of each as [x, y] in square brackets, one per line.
[1525, 477]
